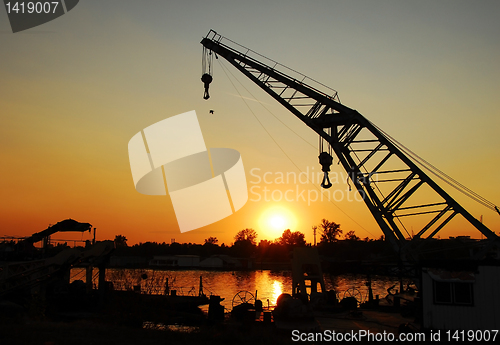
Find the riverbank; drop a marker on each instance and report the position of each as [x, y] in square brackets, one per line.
[98, 333]
[99, 329]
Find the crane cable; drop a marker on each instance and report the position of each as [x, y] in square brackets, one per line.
[206, 61]
[262, 104]
[274, 140]
[440, 174]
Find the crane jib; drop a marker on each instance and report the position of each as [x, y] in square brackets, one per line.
[382, 170]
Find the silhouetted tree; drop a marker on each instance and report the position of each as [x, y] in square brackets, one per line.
[211, 240]
[120, 241]
[351, 236]
[289, 238]
[244, 243]
[246, 235]
[264, 247]
[264, 243]
[330, 231]
[210, 247]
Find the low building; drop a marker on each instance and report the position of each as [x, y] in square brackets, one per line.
[221, 261]
[179, 261]
[461, 299]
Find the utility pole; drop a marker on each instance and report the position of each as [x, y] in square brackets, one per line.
[314, 233]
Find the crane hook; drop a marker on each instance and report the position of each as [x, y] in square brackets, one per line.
[326, 181]
[325, 159]
[206, 79]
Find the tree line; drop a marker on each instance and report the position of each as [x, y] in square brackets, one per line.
[245, 245]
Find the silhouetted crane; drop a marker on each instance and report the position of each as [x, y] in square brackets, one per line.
[382, 170]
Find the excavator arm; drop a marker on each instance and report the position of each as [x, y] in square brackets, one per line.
[67, 225]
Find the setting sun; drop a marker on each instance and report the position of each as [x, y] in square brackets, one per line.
[275, 220]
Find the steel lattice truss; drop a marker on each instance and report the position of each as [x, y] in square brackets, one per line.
[392, 185]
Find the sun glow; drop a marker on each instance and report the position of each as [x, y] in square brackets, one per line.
[275, 220]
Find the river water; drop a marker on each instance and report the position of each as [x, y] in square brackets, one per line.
[266, 283]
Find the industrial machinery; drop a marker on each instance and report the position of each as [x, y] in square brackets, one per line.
[388, 176]
[26, 275]
[67, 225]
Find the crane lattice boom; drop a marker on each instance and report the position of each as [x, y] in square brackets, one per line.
[391, 184]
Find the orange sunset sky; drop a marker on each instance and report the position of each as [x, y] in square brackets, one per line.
[75, 90]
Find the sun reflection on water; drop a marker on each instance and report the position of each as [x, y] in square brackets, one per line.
[277, 290]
